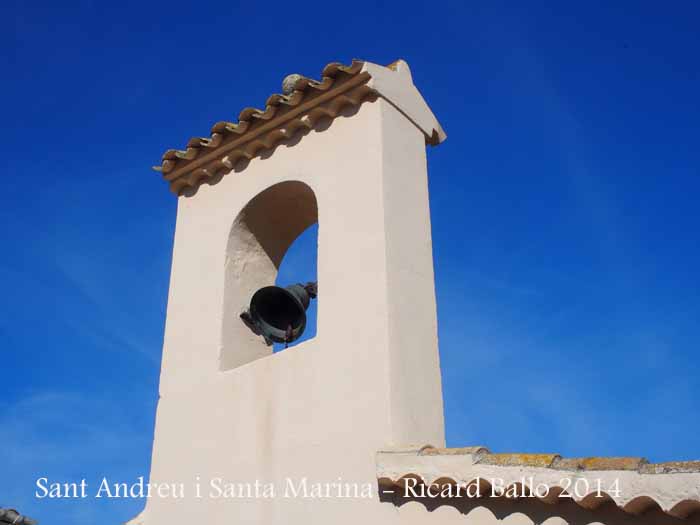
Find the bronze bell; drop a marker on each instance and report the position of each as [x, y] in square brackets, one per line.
[279, 314]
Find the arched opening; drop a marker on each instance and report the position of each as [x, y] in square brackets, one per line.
[260, 237]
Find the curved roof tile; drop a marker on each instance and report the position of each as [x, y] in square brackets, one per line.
[632, 483]
[258, 129]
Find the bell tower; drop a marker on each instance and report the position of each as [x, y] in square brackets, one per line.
[348, 152]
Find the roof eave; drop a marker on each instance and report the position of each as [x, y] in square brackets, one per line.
[674, 488]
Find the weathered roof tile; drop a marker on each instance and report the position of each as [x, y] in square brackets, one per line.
[304, 101]
[519, 460]
[671, 467]
[633, 483]
[600, 463]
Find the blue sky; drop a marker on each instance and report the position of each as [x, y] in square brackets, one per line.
[564, 213]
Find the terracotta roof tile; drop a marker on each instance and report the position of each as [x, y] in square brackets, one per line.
[673, 487]
[600, 463]
[262, 129]
[671, 467]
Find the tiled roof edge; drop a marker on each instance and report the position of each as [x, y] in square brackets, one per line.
[632, 483]
[555, 461]
[262, 129]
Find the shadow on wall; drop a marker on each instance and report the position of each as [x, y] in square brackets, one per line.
[260, 238]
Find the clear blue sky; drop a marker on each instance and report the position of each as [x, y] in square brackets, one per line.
[564, 210]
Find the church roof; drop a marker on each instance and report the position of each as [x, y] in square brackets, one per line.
[632, 483]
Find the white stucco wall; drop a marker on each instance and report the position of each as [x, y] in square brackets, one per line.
[368, 380]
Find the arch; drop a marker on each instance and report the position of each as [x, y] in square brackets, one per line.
[261, 234]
